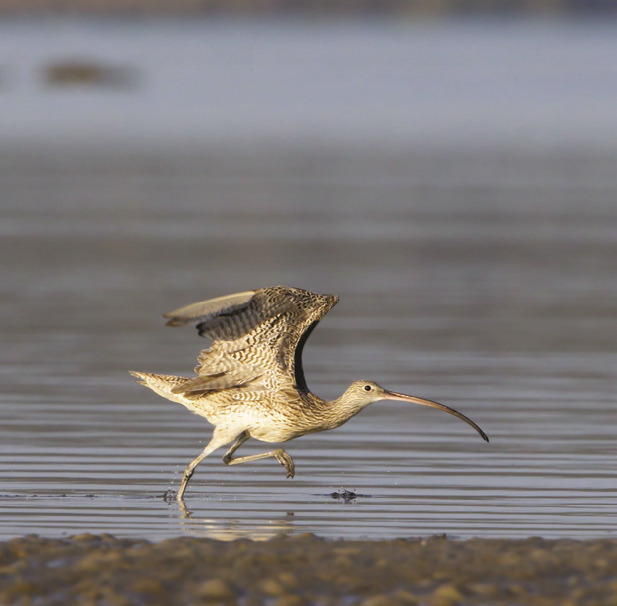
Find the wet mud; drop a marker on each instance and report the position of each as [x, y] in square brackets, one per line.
[305, 569]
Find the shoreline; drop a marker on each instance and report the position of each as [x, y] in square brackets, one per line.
[306, 569]
[333, 9]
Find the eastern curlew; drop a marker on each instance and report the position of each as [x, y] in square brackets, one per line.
[250, 382]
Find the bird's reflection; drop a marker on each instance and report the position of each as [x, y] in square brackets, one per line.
[230, 529]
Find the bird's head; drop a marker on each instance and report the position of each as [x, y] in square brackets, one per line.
[362, 393]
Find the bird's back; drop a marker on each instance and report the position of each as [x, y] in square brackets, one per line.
[269, 416]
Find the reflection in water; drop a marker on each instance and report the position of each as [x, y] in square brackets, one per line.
[230, 529]
[261, 525]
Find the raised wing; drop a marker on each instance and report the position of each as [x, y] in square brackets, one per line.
[258, 338]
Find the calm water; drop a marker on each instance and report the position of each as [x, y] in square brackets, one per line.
[482, 276]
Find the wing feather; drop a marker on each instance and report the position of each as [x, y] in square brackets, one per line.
[205, 311]
[258, 338]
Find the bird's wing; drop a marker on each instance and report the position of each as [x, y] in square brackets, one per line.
[258, 338]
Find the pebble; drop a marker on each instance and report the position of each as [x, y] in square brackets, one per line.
[215, 589]
[291, 600]
[446, 595]
[272, 587]
[378, 600]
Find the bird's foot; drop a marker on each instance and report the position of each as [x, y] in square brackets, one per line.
[286, 461]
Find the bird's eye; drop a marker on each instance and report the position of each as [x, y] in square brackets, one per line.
[367, 388]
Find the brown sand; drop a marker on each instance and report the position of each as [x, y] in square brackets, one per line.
[291, 571]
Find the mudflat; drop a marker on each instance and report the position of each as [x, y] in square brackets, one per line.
[305, 569]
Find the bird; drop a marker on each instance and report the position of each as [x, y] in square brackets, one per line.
[250, 382]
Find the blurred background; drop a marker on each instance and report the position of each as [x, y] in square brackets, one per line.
[449, 168]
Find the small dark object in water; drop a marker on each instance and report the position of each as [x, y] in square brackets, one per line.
[88, 73]
[169, 496]
[347, 496]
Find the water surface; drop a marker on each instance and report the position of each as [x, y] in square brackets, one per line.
[482, 277]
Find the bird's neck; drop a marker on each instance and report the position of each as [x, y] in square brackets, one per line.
[331, 414]
[346, 407]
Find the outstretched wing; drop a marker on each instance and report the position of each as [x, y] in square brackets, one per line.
[258, 338]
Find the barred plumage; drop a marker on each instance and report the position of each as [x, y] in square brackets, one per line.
[250, 381]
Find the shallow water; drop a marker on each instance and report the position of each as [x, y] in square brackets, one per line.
[482, 279]
[510, 323]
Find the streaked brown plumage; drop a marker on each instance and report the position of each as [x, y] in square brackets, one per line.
[250, 382]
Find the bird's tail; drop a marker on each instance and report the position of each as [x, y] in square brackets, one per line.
[162, 384]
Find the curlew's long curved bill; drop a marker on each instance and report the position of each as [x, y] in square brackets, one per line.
[392, 395]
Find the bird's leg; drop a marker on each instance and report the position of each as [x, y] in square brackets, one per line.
[241, 439]
[279, 454]
[190, 468]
